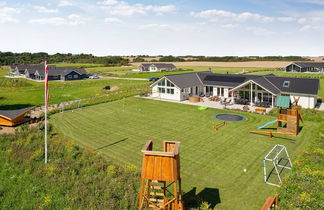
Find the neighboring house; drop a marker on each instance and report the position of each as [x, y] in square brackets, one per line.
[37, 72]
[156, 67]
[305, 67]
[17, 69]
[253, 88]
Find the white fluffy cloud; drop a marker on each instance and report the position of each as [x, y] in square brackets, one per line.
[155, 26]
[123, 8]
[214, 15]
[112, 20]
[312, 21]
[65, 3]
[72, 20]
[45, 10]
[6, 15]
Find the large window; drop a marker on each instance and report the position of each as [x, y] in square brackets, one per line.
[161, 90]
[169, 84]
[75, 76]
[161, 83]
[266, 96]
[170, 91]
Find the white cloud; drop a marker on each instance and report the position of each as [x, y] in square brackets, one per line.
[65, 3]
[286, 19]
[320, 2]
[222, 15]
[161, 9]
[230, 26]
[72, 19]
[312, 21]
[112, 20]
[108, 2]
[259, 31]
[6, 15]
[45, 10]
[155, 26]
[123, 8]
[9, 10]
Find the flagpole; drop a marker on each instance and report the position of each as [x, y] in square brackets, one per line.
[45, 111]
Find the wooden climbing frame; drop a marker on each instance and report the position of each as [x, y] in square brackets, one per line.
[161, 173]
[271, 203]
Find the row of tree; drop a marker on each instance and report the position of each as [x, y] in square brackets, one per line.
[8, 58]
[231, 58]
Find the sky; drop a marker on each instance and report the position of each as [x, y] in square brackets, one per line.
[164, 27]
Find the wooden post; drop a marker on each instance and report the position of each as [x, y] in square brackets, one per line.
[175, 192]
[161, 167]
[140, 201]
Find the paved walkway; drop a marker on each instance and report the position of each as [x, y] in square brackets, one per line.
[210, 104]
[321, 107]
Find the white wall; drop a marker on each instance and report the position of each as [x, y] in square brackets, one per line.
[153, 68]
[226, 92]
[176, 96]
[308, 102]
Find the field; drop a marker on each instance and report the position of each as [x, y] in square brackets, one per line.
[17, 93]
[77, 65]
[211, 161]
[127, 71]
[255, 64]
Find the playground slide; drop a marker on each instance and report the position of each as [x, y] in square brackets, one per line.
[268, 123]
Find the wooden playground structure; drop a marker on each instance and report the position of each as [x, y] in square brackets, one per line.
[271, 203]
[287, 121]
[160, 172]
[216, 127]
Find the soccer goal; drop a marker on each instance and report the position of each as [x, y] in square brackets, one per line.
[278, 160]
[76, 104]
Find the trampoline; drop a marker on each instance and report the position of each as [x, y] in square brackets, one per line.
[230, 117]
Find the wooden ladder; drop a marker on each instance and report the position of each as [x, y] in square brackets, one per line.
[155, 196]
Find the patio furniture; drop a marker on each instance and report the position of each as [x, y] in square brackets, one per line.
[194, 99]
[260, 110]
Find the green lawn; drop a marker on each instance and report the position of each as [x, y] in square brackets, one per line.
[32, 93]
[127, 71]
[77, 65]
[209, 159]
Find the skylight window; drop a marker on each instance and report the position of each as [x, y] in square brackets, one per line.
[286, 83]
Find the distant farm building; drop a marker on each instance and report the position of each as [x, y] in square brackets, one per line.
[156, 67]
[14, 117]
[306, 67]
[37, 72]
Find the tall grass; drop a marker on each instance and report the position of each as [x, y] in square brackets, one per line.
[74, 178]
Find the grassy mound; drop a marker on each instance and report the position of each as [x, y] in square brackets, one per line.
[74, 178]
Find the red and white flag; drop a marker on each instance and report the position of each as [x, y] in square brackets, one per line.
[46, 85]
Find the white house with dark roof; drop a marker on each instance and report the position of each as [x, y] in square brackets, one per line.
[156, 67]
[243, 89]
[305, 67]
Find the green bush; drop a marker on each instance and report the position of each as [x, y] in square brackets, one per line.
[304, 187]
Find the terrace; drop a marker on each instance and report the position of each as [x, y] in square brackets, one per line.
[218, 103]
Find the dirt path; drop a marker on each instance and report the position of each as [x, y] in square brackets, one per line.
[7, 130]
